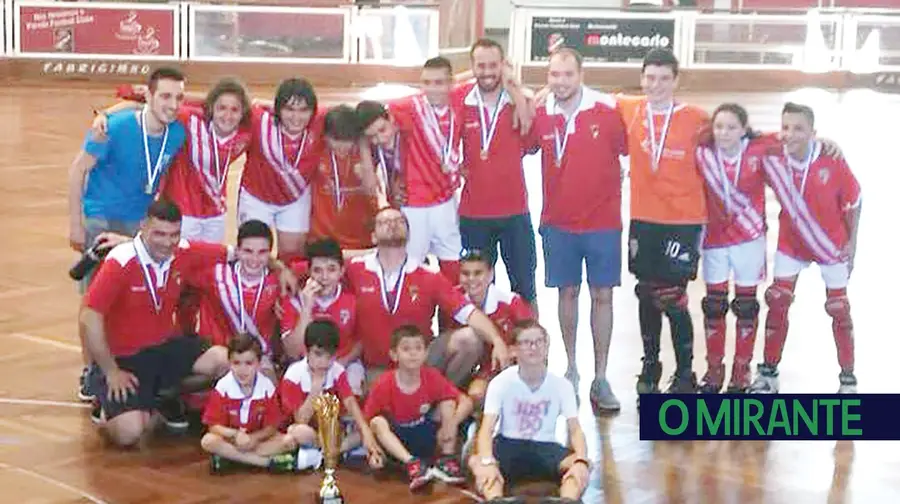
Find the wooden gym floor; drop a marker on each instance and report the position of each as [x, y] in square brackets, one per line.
[49, 452]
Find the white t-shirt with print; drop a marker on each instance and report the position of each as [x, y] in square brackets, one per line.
[528, 414]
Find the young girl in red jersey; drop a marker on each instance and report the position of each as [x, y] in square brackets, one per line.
[734, 244]
[242, 415]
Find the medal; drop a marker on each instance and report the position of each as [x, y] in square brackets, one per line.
[162, 274]
[152, 170]
[338, 196]
[726, 184]
[560, 145]
[804, 164]
[240, 295]
[657, 150]
[221, 171]
[398, 288]
[488, 126]
[435, 134]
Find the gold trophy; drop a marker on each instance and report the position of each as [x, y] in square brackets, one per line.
[328, 408]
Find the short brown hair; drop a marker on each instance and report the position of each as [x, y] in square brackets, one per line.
[486, 43]
[244, 342]
[526, 324]
[405, 331]
[571, 53]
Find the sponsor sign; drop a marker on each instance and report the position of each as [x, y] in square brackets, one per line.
[67, 29]
[601, 39]
[70, 68]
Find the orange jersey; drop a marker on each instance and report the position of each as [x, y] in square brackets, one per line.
[673, 193]
[341, 208]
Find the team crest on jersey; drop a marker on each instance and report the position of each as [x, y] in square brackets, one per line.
[633, 247]
[414, 293]
[824, 175]
[753, 161]
[344, 316]
[595, 130]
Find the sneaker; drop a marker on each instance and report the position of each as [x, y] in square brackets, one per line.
[84, 394]
[648, 380]
[682, 383]
[469, 444]
[447, 469]
[713, 380]
[506, 500]
[97, 415]
[283, 463]
[217, 464]
[175, 415]
[766, 381]
[307, 458]
[848, 383]
[419, 475]
[740, 379]
[602, 397]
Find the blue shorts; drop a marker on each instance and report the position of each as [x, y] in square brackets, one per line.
[515, 236]
[420, 439]
[565, 252]
[543, 459]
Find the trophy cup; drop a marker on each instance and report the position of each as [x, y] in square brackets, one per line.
[328, 408]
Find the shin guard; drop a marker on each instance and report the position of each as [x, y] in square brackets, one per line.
[650, 320]
[837, 305]
[745, 307]
[715, 308]
[779, 297]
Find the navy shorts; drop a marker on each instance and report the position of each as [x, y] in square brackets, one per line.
[515, 236]
[525, 460]
[666, 253]
[156, 368]
[420, 439]
[565, 252]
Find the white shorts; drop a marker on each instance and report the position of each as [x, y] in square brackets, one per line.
[290, 218]
[435, 230]
[747, 261]
[203, 229]
[356, 376]
[835, 276]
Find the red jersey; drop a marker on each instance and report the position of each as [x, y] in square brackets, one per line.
[429, 139]
[735, 194]
[228, 406]
[492, 157]
[815, 196]
[582, 176]
[387, 400]
[342, 208]
[230, 306]
[278, 167]
[297, 382]
[410, 297]
[340, 309]
[505, 309]
[197, 179]
[138, 297]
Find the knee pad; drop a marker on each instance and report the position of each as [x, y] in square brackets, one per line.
[715, 305]
[838, 307]
[670, 298]
[745, 307]
[779, 297]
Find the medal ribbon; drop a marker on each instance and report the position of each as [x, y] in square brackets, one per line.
[153, 170]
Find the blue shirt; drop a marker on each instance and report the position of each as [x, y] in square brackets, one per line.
[116, 186]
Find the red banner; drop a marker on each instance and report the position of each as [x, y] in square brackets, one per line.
[92, 30]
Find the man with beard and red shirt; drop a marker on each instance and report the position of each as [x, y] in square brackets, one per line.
[493, 208]
[418, 146]
[392, 289]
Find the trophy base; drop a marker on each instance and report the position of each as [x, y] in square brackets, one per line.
[330, 500]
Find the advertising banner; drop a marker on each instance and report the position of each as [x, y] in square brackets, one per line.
[87, 30]
[601, 39]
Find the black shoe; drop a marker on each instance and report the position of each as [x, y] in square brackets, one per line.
[682, 383]
[97, 415]
[175, 415]
[84, 393]
[648, 380]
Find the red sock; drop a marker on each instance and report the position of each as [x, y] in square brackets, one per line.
[715, 308]
[779, 297]
[450, 270]
[838, 306]
[746, 309]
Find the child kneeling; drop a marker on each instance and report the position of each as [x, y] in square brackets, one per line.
[242, 415]
[401, 410]
[527, 401]
[319, 373]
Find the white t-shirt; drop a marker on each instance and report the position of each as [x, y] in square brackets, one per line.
[527, 414]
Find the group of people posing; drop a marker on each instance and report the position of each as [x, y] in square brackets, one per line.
[356, 200]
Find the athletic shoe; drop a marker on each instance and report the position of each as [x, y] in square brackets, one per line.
[84, 393]
[682, 383]
[419, 475]
[283, 463]
[740, 379]
[447, 469]
[713, 380]
[308, 458]
[173, 411]
[97, 416]
[848, 383]
[648, 380]
[766, 381]
[602, 396]
[506, 500]
[219, 464]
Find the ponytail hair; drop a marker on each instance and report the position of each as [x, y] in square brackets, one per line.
[741, 113]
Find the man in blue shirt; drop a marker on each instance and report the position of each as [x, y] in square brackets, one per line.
[114, 179]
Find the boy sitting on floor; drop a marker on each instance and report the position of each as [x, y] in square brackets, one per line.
[318, 373]
[527, 401]
[401, 409]
[242, 415]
